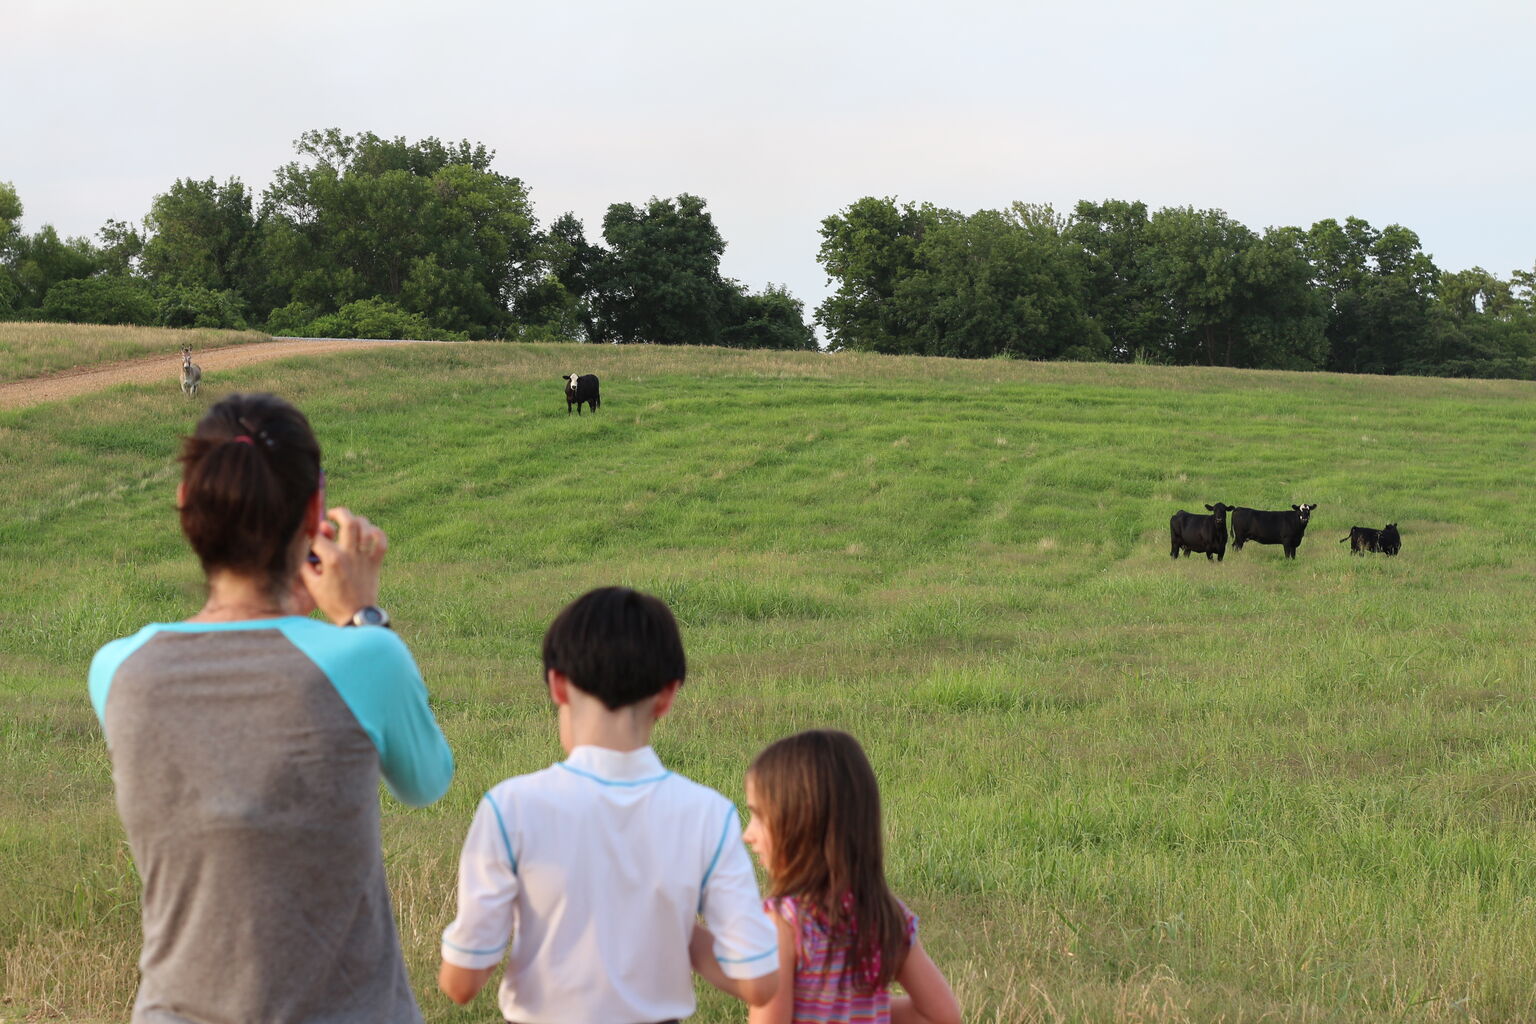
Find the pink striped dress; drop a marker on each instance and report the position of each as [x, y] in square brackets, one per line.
[821, 997]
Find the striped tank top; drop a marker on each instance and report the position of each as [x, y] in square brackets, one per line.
[821, 996]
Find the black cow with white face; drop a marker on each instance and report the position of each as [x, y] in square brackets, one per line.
[1285, 528]
[579, 388]
[1191, 532]
[1385, 540]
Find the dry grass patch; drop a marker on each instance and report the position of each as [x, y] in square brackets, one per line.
[33, 349]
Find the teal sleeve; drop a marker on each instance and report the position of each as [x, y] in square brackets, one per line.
[104, 666]
[377, 679]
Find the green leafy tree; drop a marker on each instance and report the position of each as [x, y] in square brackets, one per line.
[292, 320]
[924, 280]
[101, 300]
[659, 280]
[999, 283]
[772, 319]
[869, 250]
[560, 301]
[10, 231]
[10, 214]
[122, 247]
[1194, 261]
[1522, 289]
[191, 306]
[40, 261]
[1479, 327]
[201, 235]
[1111, 238]
[1378, 288]
[375, 318]
[427, 226]
[1281, 318]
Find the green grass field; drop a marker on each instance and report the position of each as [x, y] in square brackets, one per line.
[1117, 787]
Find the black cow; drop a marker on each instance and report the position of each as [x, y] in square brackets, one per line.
[1284, 528]
[1362, 539]
[1193, 532]
[581, 388]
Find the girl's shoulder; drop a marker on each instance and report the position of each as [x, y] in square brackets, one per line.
[804, 917]
[789, 908]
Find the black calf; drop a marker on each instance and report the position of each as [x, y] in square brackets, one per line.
[1385, 540]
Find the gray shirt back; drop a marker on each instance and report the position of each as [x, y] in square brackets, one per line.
[250, 795]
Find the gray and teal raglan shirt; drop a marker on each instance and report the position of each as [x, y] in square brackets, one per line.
[246, 757]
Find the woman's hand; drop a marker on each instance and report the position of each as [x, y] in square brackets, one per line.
[351, 551]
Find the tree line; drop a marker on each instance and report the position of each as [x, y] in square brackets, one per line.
[362, 236]
[1115, 282]
[370, 237]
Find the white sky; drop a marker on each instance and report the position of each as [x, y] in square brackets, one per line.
[781, 114]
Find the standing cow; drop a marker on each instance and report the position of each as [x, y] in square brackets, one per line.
[1283, 528]
[1193, 532]
[581, 388]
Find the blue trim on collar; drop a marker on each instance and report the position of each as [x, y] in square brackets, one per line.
[507, 843]
[611, 782]
[271, 622]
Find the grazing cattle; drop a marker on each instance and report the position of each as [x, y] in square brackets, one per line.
[1193, 532]
[581, 388]
[1362, 539]
[1284, 528]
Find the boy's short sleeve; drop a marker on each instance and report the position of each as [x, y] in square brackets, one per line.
[488, 885]
[746, 939]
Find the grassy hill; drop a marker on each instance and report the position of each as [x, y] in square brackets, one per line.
[1116, 786]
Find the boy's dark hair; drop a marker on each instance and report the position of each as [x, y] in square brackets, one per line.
[249, 469]
[617, 644]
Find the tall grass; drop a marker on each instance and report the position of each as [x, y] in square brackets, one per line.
[1117, 786]
[29, 349]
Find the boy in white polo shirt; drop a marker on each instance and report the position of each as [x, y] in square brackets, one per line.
[587, 876]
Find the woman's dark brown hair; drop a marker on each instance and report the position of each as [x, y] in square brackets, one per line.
[248, 470]
[819, 799]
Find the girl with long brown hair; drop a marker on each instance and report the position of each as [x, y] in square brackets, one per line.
[843, 937]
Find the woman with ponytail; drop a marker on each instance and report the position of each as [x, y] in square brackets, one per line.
[248, 742]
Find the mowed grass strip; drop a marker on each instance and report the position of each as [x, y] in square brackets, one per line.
[1117, 787]
[31, 349]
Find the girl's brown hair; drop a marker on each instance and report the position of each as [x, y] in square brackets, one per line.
[248, 470]
[818, 797]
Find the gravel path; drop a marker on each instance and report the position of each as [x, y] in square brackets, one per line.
[167, 369]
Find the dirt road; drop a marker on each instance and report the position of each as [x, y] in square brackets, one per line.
[167, 369]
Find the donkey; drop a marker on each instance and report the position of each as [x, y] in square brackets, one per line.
[191, 373]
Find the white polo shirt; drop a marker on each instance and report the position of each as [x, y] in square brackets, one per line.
[592, 871]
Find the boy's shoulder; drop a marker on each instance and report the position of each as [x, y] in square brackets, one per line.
[576, 775]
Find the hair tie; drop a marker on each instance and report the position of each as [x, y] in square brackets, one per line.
[244, 439]
[266, 438]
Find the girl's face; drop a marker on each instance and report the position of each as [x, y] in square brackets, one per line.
[756, 835]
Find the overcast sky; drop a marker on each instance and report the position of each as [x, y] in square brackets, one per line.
[781, 114]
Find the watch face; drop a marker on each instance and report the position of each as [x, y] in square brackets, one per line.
[370, 616]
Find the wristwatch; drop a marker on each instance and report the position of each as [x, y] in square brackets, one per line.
[370, 615]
